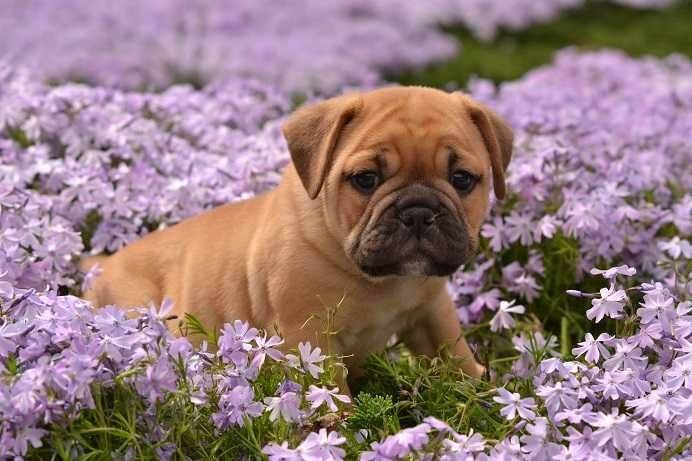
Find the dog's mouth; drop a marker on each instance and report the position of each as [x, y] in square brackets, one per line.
[416, 267]
[414, 238]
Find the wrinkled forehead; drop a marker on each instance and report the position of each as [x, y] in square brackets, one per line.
[416, 127]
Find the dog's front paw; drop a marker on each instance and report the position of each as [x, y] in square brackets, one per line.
[475, 370]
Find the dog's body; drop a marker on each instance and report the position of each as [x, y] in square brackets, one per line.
[324, 258]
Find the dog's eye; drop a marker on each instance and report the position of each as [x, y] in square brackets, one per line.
[463, 181]
[365, 182]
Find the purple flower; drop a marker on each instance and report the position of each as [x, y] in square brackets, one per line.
[277, 452]
[676, 247]
[648, 335]
[545, 228]
[508, 449]
[682, 321]
[593, 348]
[321, 395]
[322, 446]
[462, 447]
[158, 379]
[536, 444]
[577, 415]
[487, 300]
[439, 425]
[683, 407]
[197, 41]
[382, 451]
[235, 341]
[679, 375]
[626, 356]
[525, 285]
[28, 436]
[515, 405]
[557, 397]
[289, 386]
[535, 263]
[614, 428]
[495, 232]
[10, 333]
[609, 304]
[310, 357]
[614, 385]
[287, 405]
[503, 318]
[610, 273]
[686, 349]
[656, 405]
[266, 347]
[180, 348]
[235, 406]
[519, 228]
[398, 445]
[162, 313]
[657, 306]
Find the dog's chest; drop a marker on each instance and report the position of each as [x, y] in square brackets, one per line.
[371, 323]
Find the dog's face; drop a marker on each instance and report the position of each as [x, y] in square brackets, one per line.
[404, 174]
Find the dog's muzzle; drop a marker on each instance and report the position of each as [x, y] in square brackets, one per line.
[416, 235]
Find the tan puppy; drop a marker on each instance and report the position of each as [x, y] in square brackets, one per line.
[384, 199]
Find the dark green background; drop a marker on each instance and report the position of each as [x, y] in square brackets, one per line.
[596, 25]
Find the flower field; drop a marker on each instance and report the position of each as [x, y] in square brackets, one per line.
[121, 118]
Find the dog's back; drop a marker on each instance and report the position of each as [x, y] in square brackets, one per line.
[164, 264]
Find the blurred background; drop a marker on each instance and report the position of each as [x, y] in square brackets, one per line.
[323, 46]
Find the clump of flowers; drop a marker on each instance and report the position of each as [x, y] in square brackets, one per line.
[623, 396]
[600, 173]
[91, 169]
[324, 46]
[154, 44]
[56, 352]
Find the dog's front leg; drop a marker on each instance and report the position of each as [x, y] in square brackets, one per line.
[439, 327]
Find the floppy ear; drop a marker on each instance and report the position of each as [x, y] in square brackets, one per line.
[312, 133]
[498, 139]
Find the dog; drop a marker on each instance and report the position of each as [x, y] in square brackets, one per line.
[383, 200]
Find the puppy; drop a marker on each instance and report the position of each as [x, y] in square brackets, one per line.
[383, 200]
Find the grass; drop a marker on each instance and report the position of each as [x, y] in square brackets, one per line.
[597, 25]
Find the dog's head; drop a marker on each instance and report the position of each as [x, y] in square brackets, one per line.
[404, 174]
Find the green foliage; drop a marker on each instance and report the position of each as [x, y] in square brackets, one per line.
[377, 413]
[91, 223]
[20, 137]
[597, 25]
[420, 387]
[122, 424]
[554, 306]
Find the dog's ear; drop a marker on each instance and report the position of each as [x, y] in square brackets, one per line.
[312, 133]
[498, 139]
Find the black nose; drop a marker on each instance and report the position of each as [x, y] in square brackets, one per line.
[417, 218]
